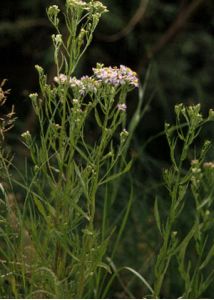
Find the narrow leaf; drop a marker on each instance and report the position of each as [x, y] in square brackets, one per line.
[40, 208]
[83, 184]
[208, 258]
[97, 117]
[157, 215]
[115, 176]
[143, 280]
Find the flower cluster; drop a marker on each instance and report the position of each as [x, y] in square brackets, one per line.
[113, 76]
[76, 83]
[92, 6]
[208, 165]
[53, 10]
[83, 85]
[97, 7]
[77, 3]
[116, 76]
[89, 85]
[27, 137]
[196, 172]
[62, 79]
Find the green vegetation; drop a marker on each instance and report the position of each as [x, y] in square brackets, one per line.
[79, 218]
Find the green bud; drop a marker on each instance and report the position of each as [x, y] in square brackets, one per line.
[211, 115]
[57, 39]
[178, 109]
[77, 4]
[33, 96]
[27, 137]
[39, 69]
[53, 10]
[123, 135]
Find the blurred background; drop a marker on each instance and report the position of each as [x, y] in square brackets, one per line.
[174, 40]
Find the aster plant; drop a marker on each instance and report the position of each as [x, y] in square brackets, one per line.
[63, 252]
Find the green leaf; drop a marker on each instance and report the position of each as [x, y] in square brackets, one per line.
[157, 215]
[2, 190]
[123, 223]
[104, 266]
[184, 244]
[143, 280]
[51, 209]
[115, 176]
[83, 184]
[208, 281]
[208, 258]
[97, 117]
[206, 200]
[40, 208]
[83, 155]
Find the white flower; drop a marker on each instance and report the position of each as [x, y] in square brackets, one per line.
[62, 78]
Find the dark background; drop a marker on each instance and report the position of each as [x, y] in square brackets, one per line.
[175, 38]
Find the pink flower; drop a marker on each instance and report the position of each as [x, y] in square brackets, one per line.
[122, 107]
[116, 76]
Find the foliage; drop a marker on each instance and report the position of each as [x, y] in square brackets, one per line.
[55, 250]
[64, 210]
[178, 180]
